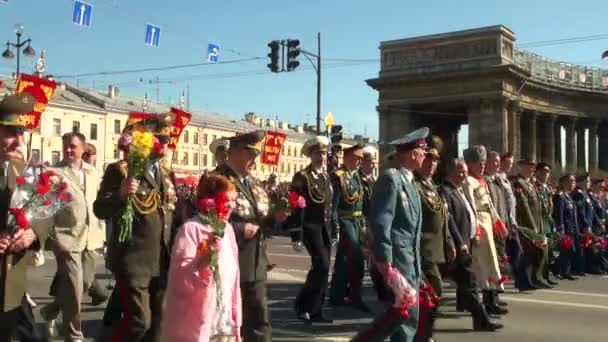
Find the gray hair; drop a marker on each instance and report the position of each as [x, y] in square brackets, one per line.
[452, 164]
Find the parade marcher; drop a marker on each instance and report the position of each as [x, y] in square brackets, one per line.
[584, 216]
[566, 225]
[252, 222]
[200, 304]
[347, 219]
[485, 258]
[70, 241]
[513, 244]
[219, 149]
[531, 226]
[542, 173]
[436, 246]
[13, 259]
[139, 265]
[499, 198]
[311, 226]
[395, 221]
[462, 226]
[600, 262]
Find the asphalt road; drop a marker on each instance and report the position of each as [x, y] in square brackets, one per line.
[573, 311]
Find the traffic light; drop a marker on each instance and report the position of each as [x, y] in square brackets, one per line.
[275, 47]
[336, 134]
[293, 51]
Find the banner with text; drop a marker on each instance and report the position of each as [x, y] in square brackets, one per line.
[42, 90]
[181, 121]
[272, 148]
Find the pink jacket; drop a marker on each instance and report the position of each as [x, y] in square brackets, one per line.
[190, 299]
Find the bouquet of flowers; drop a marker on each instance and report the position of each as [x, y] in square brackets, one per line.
[500, 229]
[37, 198]
[291, 202]
[214, 212]
[405, 295]
[143, 149]
[565, 242]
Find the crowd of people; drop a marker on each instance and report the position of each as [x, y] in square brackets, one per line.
[193, 265]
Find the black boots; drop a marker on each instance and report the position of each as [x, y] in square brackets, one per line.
[481, 318]
[490, 299]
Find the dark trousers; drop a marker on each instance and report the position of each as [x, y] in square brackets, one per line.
[566, 259]
[8, 324]
[26, 324]
[466, 291]
[256, 320]
[349, 266]
[392, 325]
[384, 292]
[312, 294]
[141, 308]
[515, 252]
[535, 259]
[433, 276]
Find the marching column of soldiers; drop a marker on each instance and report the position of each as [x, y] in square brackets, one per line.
[475, 224]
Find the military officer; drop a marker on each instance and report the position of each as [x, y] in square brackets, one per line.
[13, 260]
[252, 222]
[499, 198]
[366, 173]
[311, 225]
[219, 149]
[395, 221]
[530, 217]
[542, 173]
[566, 225]
[140, 265]
[347, 218]
[584, 216]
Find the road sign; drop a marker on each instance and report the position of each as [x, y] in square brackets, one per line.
[329, 121]
[82, 13]
[213, 53]
[152, 35]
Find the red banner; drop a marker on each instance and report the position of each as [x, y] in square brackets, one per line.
[42, 90]
[135, 117]
[181, 121]
[272, 147]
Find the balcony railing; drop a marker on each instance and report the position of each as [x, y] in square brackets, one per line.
[561, 73]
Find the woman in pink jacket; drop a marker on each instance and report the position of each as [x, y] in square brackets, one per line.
[203, 298]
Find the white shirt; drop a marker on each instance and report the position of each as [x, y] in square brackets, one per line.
[409, 175]
[470, 211]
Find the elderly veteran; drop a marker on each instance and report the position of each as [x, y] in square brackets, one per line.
[395, 221]
[252, 221]
[13, 259]
[485, 258]
[311, 226]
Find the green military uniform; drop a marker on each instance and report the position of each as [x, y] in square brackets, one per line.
[546, 201]
[252, 207]
[140, 264]
[347, 217]
[531, 228]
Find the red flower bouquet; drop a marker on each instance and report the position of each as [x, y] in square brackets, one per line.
[566, 242]
[291, 202]
[500, 229]
[587, 240]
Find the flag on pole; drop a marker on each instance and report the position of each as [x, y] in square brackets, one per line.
[605, 54]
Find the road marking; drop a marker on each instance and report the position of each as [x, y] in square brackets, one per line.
[551, 302]
[575, 293]
[328, 337]
[290, 255]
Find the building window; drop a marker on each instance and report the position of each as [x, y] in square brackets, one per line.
[174, 158]
[185, 159]
[282, 167]
[93, 135]
[186, 137]
[116, 155]
[76, 126]
[205, 159]
[213, 162]
[195, 159]
[289, 151]
[55, 157]
[35, 155]
[289, 167]
[205, 139]
[57, 127]
[195, 138]
[116, 126]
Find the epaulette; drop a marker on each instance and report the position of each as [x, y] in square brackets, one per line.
[339, 173]
[560, 193]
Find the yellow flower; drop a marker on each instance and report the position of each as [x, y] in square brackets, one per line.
[142, 145]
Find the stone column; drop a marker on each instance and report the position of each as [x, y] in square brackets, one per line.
[529, 119]
[570, 145]
[593, 150]
[557, 135]
[514, 129]
[488, 123]
[603, 146]
[548, 143]
[580, 147]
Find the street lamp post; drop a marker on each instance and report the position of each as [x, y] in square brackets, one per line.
[28, 51]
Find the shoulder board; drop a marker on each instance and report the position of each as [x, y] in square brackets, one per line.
[579, 190]
[339, 173]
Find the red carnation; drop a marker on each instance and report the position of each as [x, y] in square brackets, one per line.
[63, 187]
[44, 184]
[47, 202]
[158, 147]
[293, 199]
[21, 180]
[65, 197]
[221, 197]
[206, 204]
[21, 220]
[50, 173]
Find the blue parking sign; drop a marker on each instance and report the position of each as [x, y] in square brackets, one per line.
[152, 35]
[82, 13]
[213, 53]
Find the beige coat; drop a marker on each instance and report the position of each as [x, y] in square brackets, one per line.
[485, 258]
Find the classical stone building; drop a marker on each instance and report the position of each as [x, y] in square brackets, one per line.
[511, 99]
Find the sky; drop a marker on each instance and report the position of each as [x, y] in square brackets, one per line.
[350, 30]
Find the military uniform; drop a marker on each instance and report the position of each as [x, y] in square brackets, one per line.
[311, 225]
[596, 258]
[347, 218]
[530, 220]
[253, 207]
[546, 202]
[395, 221]
[140, 265]
[584, 216]
[564, 216]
